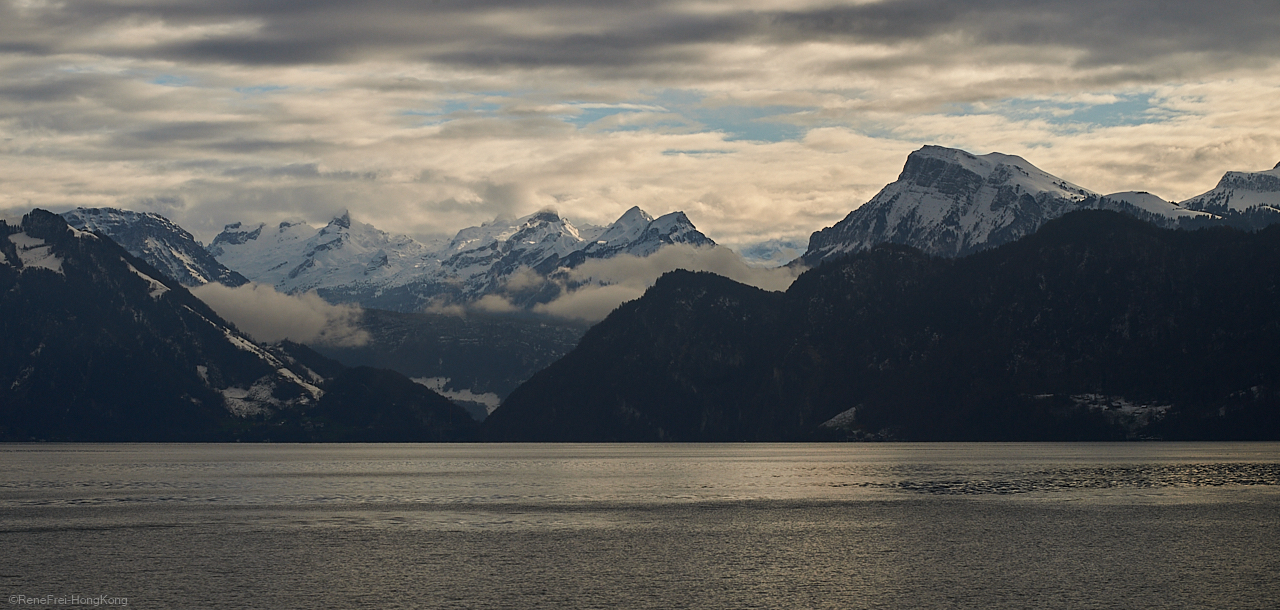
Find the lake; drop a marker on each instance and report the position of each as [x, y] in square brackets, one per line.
[1137, 525]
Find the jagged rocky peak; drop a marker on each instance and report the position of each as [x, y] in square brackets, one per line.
[349, 261]
[234, 234]
[545, 215]
[342, 220]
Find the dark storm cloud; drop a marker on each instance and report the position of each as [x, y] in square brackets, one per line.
[66, 88]
[1108, 31]
[648, 37]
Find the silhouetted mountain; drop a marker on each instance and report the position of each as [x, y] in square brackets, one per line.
[96, 344]
[1098, 327]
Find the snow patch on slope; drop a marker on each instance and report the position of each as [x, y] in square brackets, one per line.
[35, 253]
[437, 385]
[157, 287]
[1150, 203]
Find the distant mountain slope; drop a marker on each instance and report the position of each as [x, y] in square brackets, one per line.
[1241, 192]
[1096, 327]
[351, 262]
[96, 344]
[476, 360]
[947, 202]
[157, 240]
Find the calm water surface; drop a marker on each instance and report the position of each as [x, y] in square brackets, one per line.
[1151, 525]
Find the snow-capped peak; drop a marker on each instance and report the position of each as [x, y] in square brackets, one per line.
[629, 227]
[295, 257]
[949, 202]
[341, 221]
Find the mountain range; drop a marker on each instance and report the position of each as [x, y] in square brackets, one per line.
[1096, 327]
[972, 298]
[97, 345]
[947, 202]
[351, 262]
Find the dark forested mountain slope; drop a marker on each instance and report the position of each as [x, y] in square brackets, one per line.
[1098, 326]
[96, 344]
[668, 366]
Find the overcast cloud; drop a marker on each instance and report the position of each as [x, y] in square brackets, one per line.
[760, 119]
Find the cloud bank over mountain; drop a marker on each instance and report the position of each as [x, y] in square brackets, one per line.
[606, 283]
[761, 119]
[269, 316]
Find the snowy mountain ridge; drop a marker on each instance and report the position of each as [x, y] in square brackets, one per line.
[350, 261]
[159, 241]
[951, 203]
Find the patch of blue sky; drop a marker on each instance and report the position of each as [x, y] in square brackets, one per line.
[590, 113]
[670, 110]
[770, 123]
[453, 109]
[1072, 115]
[171, 80]
[752, 124]
[685, 110]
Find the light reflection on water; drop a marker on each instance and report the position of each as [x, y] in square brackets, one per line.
[1150, 525]
[567, 474]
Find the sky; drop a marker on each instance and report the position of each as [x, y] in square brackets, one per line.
[760, 119]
